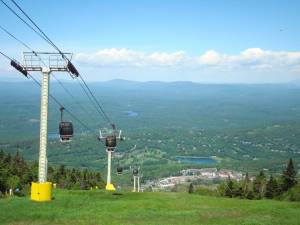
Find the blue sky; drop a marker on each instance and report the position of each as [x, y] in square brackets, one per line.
[202, 41]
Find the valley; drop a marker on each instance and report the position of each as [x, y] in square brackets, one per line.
[243, 127]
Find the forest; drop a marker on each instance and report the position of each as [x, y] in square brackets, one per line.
[262, 186]
[16, 175]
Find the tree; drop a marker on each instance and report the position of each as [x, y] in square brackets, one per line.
[3, 177]
[19, 167]
[250, 195]
[246, 186]
[2, 155]
[191, 188]
[238, 192]
[15, 173]
[229, 188]
[259, 185]
[62, 170]
[73, 177]
[174, 188]
[13, 182]
[289, 176]
[271, 188]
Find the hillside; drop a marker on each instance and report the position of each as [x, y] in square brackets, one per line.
[247, 127]
[98, 207]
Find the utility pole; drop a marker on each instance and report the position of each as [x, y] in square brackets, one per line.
[110, 137]
[41, 191]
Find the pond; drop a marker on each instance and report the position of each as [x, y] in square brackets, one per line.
[196, 160]
[131, 113]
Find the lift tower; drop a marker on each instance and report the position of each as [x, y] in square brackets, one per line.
[46, 63]
[110, 137]
[136, 179]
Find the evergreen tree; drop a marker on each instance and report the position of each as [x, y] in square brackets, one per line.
[250, 195]
[73, 177]
[15, 173]
[13, 182]
[2, 155]
[259, 185]
[289, 176]
[229, 188]
[33, 171]
[191, 188]
[3, 175]
[271, 188]
[246, 186]
[7, 158]
[238, 192]
[62, 170]
[19, 167]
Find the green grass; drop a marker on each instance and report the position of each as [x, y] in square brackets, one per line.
[99, 207]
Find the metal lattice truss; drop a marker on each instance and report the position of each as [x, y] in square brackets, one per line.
[105, 132]
[36, 61]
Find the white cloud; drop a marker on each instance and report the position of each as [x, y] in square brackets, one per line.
[211, 57]
[127, 57]
[167, 59]
[250, 65]
[112, 56]
[252, 58]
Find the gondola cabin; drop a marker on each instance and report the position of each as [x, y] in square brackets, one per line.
[111, 142]
[135, 172]
[65, 131]
[119, 170]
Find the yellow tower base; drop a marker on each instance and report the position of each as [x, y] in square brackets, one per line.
[110, 187]
[41, 192]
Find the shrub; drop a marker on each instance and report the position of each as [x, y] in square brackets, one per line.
[293, 194]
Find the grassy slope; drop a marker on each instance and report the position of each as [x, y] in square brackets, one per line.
[98, 207]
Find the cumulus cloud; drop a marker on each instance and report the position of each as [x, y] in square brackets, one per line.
[250, 65]
[252, 58]
[112, 56]
[211, 57]
[127, 57]
[167, 59]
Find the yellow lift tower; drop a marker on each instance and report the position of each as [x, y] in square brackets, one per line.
[46, 63]
[110, 137]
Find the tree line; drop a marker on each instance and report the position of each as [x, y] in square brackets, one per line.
[261, 186]
[16, 175]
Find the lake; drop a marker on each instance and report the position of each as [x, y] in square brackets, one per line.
[131, 113]
[195, 160]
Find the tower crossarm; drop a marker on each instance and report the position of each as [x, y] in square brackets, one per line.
[36, 61]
